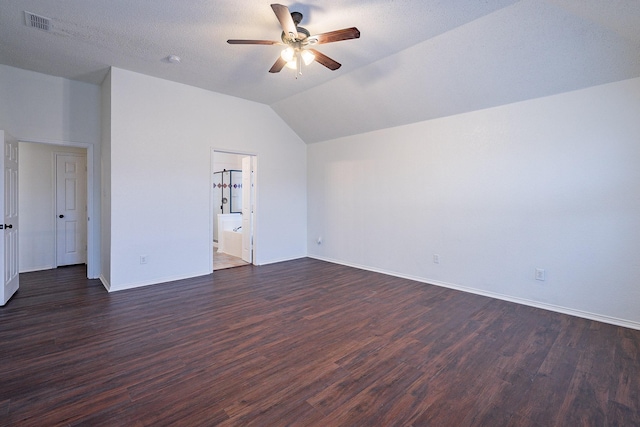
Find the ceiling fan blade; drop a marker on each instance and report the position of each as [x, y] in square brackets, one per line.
[286, 22]
[278, 65]
[268, 42]
[325, 60]
[338, 35]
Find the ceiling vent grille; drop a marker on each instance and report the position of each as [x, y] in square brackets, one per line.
[34, 21]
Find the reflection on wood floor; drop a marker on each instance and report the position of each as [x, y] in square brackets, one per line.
[222, 260]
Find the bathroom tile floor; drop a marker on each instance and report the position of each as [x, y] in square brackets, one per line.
[222, 260]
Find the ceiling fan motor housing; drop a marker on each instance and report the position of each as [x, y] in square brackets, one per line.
[303, 34]
[297, 17]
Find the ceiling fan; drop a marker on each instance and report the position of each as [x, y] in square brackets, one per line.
[300, 42]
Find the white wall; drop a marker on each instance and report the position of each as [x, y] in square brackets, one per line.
[550, 183]
[161, 138]
[37, 107]
[46, 108]
[37, 191]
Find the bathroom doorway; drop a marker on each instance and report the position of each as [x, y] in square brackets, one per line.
[233, 199]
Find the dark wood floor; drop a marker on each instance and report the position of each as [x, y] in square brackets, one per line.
[304, 343]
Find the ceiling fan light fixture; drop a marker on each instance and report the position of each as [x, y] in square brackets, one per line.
[291, 55]
[293, 64]
[307, 57]
[288, 54]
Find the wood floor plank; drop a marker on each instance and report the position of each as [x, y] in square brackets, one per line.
[304, 343]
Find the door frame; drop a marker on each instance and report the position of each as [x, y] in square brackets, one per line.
[211, 201]
[93, 266]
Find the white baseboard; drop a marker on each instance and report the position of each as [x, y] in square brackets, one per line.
[32, 269]
[274, 261]
[545, 306]
[155, 281]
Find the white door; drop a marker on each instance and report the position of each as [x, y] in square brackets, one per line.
[9, 251]
[71, 209]
[247, 209]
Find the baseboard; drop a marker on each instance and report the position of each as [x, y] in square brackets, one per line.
[32, 269]
[155, 281]
[274, 261]
[51, 267]
[545, 306]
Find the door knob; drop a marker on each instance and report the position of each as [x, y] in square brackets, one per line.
[8, 226]
[60, 216]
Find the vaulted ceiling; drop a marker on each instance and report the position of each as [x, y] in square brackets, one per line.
[415, 60]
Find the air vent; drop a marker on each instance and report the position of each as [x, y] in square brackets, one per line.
[36, 21]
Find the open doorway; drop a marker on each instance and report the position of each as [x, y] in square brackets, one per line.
[53, 203]
[233, 199]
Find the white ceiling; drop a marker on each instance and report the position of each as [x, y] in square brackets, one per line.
[415, 60]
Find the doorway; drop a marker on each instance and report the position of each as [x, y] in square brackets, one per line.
[54, 204]
[233, 197]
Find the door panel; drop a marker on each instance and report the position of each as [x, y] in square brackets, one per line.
[9, 264]
[71, 208]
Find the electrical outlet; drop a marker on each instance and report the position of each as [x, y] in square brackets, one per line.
[540, 275]
[144, 259]
[436, 259]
